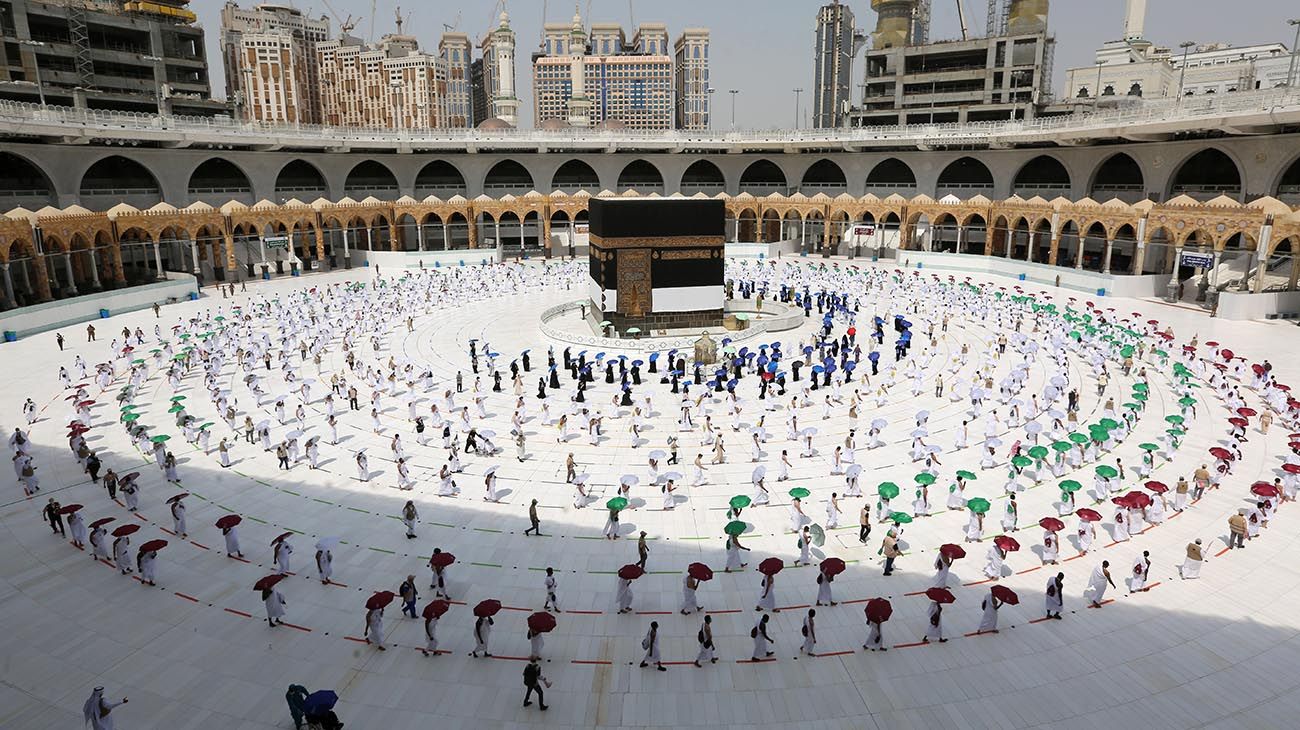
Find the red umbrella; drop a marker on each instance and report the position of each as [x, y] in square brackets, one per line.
[1089, 515]
[442, 560]
[1291, 468]
[490, 607]
[541, 622]
[152, 545]
[437, 608]
[952, 552]
[1219, 452]
[1188, 348]
[1264, 489]
[1247, 412]
[68, 509]
[1211, 344]
[125, 530]
[631, 572]
[176, 498]
[1122, 501]
[380, 599]
[70, 397]
[940, 595]
[1138, 499]
[1156, 487]
[699, 571]
[1007, 543]
[85, 403]
[101, 522]
[770, 566]
[132, 475]
[833, 566]
[879, 610]
[1239, 422]
[1282, 387]
[282, 536]
[1051, 524]
[229, 521]
[1227, 354]
[1004, 594]
[1259, 369]
[266, 583]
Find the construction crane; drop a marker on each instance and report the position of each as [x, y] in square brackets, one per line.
[454, 26]
[961, 16]
[345, 26]
[401, 20]
[371, 36]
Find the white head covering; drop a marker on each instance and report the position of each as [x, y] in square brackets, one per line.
[90, 710]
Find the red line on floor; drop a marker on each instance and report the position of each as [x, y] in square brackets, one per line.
[1221, 552]
[589, 661]
[1175, 514]
[1103, 603]
[1029, 570]
[909, 646]
[509, 658]
[1153, 585]
[725, 610]
[915, 593]
[1076, 557]
[197, 545]
[791, 608]
[516, 608]
[353, 638]
[856, 600]
[237, 613]
[295, 626]
[242, 560]
[73, 544]
[653, 613]
[978, 582]
[978, 633]
[676, 664]
[141, 517]
[336, 584]
[188, 598]
[835, 653]
[585, 613]
[1113, 544]
[1040, 620]
[169, 532]
[756, 661]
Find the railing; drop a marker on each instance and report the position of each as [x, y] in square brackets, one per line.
[17, 115]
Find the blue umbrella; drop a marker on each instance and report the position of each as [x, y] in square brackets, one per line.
[581, 353]
[637, 363]
[654, 356]
[731, 383]
[818, 369]
[319, 701]
[807, 350]
[874, 356]
[850, 365]
[771, 367]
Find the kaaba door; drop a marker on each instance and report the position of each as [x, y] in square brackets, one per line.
[634, 283]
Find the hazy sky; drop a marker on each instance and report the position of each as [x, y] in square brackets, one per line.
[765, 47]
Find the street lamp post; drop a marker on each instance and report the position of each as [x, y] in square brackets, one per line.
[708, 112]
[797, 92]
[733, 93]
[1182, 72]
[1097, 93]
[36, 65]
[1295, 54]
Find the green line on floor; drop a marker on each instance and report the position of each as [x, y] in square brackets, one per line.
[290, 491]
[487, 529]
[255, 519]
[487, 565]
[381, 550]
[322, 501]
[358, 509]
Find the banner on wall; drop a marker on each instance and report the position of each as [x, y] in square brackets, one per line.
[866, 230]
[1198, 260]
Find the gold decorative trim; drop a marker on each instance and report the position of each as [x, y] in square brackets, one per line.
[678, 255]
[657, 242]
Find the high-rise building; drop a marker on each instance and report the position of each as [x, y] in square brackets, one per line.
[493, 77]
[838, 43]
[390, 84]
[270, 57]
[994, 78]
[694, 96]
[600, 78]
[101, 54]
[454, 51]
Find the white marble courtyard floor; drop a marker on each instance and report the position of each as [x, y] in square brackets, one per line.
[196, 652]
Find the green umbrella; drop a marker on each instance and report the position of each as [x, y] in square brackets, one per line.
[161, 439]
[1109, 424]
[739, 501]
[1133, 406]
[137, 362]
[206, 426]
[1187, 401]
[1140, 397]
[634, 330]
[130, 407]
[605, 323]
[799, 493]
[967, 475]
[178, 357]
[154, 352]
[887, 490]
[176, 409]
[1062, 446]
[177, 397]
[130, 417]
[1127, 351]
[818, 534]
[1161, 353]
[1021, 461]
[1175, 419]
[1140, 388]
[1078, 438]
[1148, 447]
[1039, 452]
[219, 318]
[924, 478]
[1107, 472]
[900, 518]
[617, 503]
[1070, 486]
[978, 505]
[735, 527]
[1175, 432]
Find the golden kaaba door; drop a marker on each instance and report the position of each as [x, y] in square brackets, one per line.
[634, 284]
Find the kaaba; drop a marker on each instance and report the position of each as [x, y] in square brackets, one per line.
[657, 263]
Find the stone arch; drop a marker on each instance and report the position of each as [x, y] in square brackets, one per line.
[891, 176]
[974, 234]
[1287, 188]
[965, 177]
[439, 178]
[116, 179]
[24, 184]
[763, 177]
[641, 176]
[1118, 176]
[576, 175]
[1207, 174]
[508, 176]
[302, 180]
[371, 178]
[217, 180]
[823, 176]
[1044, 176]
[703, 177]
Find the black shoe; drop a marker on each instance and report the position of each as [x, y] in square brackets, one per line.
[662, 668]
[542, 708]
[528, 703]
[643, 665]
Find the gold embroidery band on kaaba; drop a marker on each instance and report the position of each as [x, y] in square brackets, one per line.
[657, 242]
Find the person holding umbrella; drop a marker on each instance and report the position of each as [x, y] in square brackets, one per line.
[623, 595]
[482, 632]
[535, 644]
[1055, 595]
[767, 598]
[989, 621]
[432, 613]
[146, 560]
[76, 525]
[272, 600]
[934, 628]
[878, 611]
[439, 562]
[231, 536]
[733, 554]
[374, 633]
[319, 709]
[98, 551]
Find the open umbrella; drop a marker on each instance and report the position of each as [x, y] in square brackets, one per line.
[1138, 499]
[735, 527]
[102, 521]
[1157, 487]
[1070, 486]
[740, 501]
[818, 534]
[833, 566]
[1175, 419]
[177, 497]
[161, 439]
[229, 521]
[770, 566]
[489, 607]
[617, 503]
[887, 490]
[1007, 543]
[1219, 452]
[900, 518]
[266, 583]
[442, 560]
[437, 608]
[68, 509]
[1061, 446]
[1051, 524]
[952, 552]
[631, 572]
[379, 600]
[799, 493]
[940, 595]
[282, 536]
[924, 478]
[1105, 471]
[879, 610]
[1264, 489]
[1004, 594]
[699, 571]
[152, 545]
[541, 622]
[1021, 461]
[978, 505]
[125, 530]
[1291, 468]
[1247, 412]
[320, 701]
[967, 475]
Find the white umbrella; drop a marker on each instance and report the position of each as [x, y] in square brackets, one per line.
[810, 431]
[1058, 381]
[920, 433]
[1033, 427]
[934, 449]
[993, 442]
[657, 454]
[853, 470]
[491, 470]
[629, 480]
[922, 415]
[486, 433]
[327, 543]
[293, 435]
[879, 423]
[1057, 413]
[581, 479]
[263, 425]
[760, 471]
[672, 475]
